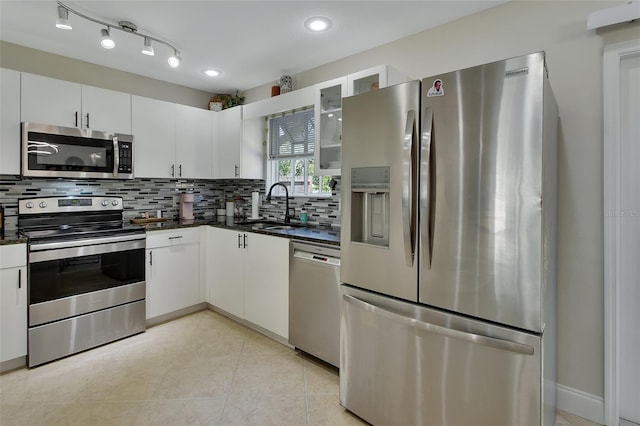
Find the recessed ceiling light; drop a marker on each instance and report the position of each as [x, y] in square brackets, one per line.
[211, 72]
[318, 23]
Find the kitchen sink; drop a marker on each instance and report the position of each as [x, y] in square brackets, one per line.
[280, 227]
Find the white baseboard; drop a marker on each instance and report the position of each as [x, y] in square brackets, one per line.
[581, 404]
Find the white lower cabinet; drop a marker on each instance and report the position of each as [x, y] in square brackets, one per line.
[173, 272]
[225, 270]
[13, 301]
[248, 276]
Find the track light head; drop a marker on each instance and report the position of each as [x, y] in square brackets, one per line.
[174, 61]
[148, 48]
[63, 19]
[106, 41]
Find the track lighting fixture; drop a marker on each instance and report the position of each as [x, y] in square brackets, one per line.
[106, 41]
[174, 61]
[105, 33]
[63, 19]
[148, 48]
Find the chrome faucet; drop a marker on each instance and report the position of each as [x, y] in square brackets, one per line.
[287, 217]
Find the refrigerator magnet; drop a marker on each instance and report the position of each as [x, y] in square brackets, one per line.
[437, 89]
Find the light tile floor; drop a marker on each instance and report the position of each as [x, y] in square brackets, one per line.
[202, 369]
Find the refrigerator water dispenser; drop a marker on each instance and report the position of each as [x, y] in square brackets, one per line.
[370, 205]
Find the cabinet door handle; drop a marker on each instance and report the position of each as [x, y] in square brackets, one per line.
[151, 258]
[245, 240]
[76, 115]
[239, 240]
[173, 170]
[87, 120]
[177, 236]
[19, 278]
[180, 170]
[236, 170]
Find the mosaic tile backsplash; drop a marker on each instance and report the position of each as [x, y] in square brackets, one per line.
[149, 195]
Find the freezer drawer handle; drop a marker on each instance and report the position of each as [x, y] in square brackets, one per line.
[436, 329]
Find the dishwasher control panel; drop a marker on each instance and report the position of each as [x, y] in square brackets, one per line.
[316, 257]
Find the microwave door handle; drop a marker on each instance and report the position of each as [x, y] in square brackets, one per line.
[116, 156]
[426, 191]
[407, 180]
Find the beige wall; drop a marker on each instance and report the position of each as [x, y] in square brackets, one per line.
[574, 57]
[25, 59]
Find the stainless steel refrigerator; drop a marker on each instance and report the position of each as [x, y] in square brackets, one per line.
[449, 249]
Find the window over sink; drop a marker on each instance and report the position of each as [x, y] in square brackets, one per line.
[291, 155]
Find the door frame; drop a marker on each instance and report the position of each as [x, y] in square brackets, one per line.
[613, 56]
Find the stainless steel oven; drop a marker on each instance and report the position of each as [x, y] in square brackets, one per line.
[54, 151]
[86, 275]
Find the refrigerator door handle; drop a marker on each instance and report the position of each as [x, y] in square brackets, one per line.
[408, 169]
[479, 339]
[425, 186]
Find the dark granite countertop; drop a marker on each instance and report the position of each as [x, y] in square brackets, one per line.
[12, 237]
[305, 233]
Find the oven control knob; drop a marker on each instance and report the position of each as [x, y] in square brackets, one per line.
[43, 204]
[104, 203]
[29, 205]
[114, 202]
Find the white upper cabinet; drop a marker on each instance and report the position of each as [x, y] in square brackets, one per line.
[9, 122]
[228, 143]
[193, 142]
[328, 111]
[106, 110]
[170, 140]
[252, 149]
[373, 78]
[154, 132]
[239, 144]
[50, 101]
[62, 103]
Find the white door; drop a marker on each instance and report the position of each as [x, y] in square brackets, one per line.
[50, 101]
[153, 125]
[266, 283]
[193, 142]
[229, 141]
[225, 270]
[630, 240]
[106, 110]
[9, 122]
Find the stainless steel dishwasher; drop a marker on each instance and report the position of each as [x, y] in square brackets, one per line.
[314, 300]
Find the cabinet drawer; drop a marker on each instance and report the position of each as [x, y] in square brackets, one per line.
[157, 239]
[14, 255]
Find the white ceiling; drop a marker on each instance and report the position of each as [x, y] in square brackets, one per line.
[251, 42]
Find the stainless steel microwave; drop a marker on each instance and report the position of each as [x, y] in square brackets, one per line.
[70, 152]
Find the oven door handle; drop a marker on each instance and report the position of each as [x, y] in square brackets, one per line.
[85, 242]
[85, 250]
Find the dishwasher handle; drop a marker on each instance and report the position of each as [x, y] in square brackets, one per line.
[315, 257]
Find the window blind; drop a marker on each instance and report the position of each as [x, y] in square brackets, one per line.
[292, 135]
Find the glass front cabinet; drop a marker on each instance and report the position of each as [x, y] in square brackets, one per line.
[328, 117]
[328, 112]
